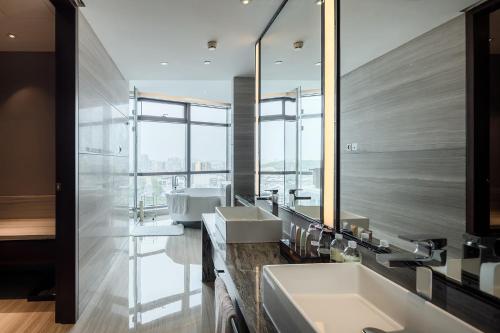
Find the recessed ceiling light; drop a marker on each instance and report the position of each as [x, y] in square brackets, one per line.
[11, 35]
[207, 62]
[318, 2]
[298, 45]
[245, 2]
[164, 63]
[212, 45]
[278, 62]
[318, 63]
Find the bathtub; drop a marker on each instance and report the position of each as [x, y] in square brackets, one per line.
[199, 201]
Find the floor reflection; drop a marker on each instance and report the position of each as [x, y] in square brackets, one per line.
[166, 292]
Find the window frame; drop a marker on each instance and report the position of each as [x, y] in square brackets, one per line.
[283, 117]
[137, 117]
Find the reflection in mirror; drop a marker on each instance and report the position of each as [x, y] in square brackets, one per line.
[290, 122]
[403, 138]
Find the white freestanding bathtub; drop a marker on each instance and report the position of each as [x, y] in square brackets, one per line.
[199, 201]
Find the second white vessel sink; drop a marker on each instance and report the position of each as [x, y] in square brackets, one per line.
[346, 298]
[247, 225]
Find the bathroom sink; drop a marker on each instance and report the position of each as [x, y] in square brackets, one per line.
[347, 298]
[247, 225]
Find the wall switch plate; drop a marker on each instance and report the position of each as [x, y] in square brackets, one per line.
[348, 147]
[354, 146]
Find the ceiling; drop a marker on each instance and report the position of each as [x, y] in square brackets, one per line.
[140, 34]
[33, 23]
[371, 28]
[298, 21]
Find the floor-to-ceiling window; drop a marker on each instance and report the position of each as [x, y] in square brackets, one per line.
[178, 145]
[286, 124]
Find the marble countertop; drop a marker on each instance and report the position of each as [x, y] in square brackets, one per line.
[243, 273]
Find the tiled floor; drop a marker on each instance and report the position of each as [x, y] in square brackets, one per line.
[165, 294]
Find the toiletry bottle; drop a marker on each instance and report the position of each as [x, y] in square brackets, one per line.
[354, 230]
[292, 233]
[298, 232]
[351, 253]
[337, 248]
[325, 240]
[346, 228]
[365, 237]
[384, 246]
[303, 239]
[314, 231]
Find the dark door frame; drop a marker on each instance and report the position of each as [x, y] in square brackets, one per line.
[66, 162]
[477, 169]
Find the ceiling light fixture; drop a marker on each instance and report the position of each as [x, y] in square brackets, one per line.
[298, 45]
[245, 2]
[11, 35]
[278, 62]
[318, 2]
[164, 63]
[212, 45]
[318, 63]
[207, 62]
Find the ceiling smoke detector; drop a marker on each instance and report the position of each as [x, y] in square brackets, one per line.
[298, 45]
[212, 45]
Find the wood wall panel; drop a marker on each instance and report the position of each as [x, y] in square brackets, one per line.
[406, 112]
[243, 145]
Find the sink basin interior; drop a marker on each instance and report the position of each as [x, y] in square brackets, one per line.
[347, 298]
[245, 214]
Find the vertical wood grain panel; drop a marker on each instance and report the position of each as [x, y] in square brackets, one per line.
[406, 112]
[243, 127]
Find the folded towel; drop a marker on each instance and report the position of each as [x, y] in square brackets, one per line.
[224, 309]
[177, 203]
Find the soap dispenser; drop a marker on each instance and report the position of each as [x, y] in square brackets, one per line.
[337, 248]
[351, 253]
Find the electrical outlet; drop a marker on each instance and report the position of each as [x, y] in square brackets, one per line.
[354, 146]
[348, 147]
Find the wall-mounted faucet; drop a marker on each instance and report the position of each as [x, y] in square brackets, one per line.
[273, 198]
[293, 197]
[429, 251]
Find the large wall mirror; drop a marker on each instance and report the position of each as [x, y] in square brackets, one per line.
[291, 108]
[403, 129]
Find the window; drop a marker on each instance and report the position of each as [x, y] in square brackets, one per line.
[208, 114]
[208, 148]
[311, 104]
[284, 164]
[272, 148]
[270, 108]
[209, 180]
[161, 109]
[162, 147]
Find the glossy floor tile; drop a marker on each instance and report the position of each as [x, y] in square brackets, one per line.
[166, 293]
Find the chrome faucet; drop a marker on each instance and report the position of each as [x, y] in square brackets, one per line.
[176, 181]
[273, 198]
[293, 197]
[429, 251]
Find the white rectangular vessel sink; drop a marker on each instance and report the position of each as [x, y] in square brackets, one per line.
[346, 298]
[247, 225]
